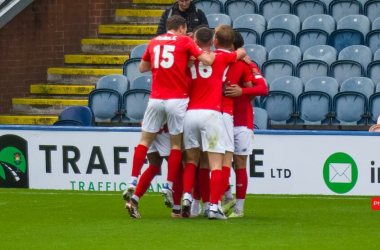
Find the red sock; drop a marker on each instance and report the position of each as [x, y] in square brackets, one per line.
[178, 187]
[215, 185]
[145, 180]
[241, 183]
[139, 159]
[225, 182]
[174, 163]
[204, 184]
[196, 194]
[188, 177]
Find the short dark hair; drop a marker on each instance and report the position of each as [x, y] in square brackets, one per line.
[204, 35]
[225, 35]
[174, 22]
[239, 40]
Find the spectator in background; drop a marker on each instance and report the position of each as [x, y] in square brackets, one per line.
[187, 10]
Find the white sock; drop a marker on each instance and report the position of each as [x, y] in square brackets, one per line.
[170, 185]
[136, 198]
[214, 207]
[132, 179]
[187, 196]
[177, 207]
[240, 204]
[206, 205]
[228, 194]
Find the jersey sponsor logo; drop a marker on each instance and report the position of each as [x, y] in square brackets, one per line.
[166, 38]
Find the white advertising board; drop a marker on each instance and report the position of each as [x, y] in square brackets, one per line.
[100, 159]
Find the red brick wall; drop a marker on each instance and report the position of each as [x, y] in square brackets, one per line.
[40, 36]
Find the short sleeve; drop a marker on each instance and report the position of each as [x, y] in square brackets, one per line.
[146, 56]
[230, 57]
[193, 48]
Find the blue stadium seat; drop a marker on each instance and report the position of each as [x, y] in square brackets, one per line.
[359, 53]
[311, 37]
[309, 69]
[373, 40]
[119, 83]
[138, 51]
[251, 21]
[209, 6]
[324, 53]
[273, 69]
[272, 38]
[372, 9]
[341, 8]
[376, 56]
[281, 101]
[315, 103]
[135, 102]
[343, 70]
[142, 82]
[260, 118]
[356, 22]
[289, 53]
[257, 53]
[214, 20]
[236, 8]
[373, 70]
[131, 68]
[374, 106]
[270, 9]
[341, 39]
[249, 35]
[75, 116]
[376, 24]
[320, 22]
[285, 21]
[307, 8]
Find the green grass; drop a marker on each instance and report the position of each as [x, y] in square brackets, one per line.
[45, 219]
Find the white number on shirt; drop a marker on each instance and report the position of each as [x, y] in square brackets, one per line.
[204, 71]
[168, 58]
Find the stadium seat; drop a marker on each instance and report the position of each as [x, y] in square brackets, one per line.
[251, 21]
[341, 8]
[272, 38]
[372, 9]
[249, 35]
[75, 116]
[281, 101]
[270, 8]
[351, 103]
[307, 8]
[341, 39]
[373, 40]
[119, 83]
[315, 103]
[209, 6]
[376, 56]
[285, 21]
[142, 82]
[309, 69]
[131, 68]
[214, 20]
[260, 118]
[273, 69]
[257, 53]
[321, 52]
[359, 53]
[373, 70]
[343, 70]
[135, 102]
[138, 51]
[289, 53]
[356, 22]
[311, 37]
[376, 24]
[236, 8]
[374, 106]
[320, 22]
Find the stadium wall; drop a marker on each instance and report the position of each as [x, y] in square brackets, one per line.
[100, 159]
[41, 35]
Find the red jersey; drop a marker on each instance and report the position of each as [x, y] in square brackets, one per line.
[168, 55]
[206, 92]
[238, 72]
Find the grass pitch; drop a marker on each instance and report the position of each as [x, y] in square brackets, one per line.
[46, 219]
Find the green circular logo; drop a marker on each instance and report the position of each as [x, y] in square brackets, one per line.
[340, 173]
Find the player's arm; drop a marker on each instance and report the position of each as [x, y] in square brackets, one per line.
[207, 58]
[145, 66]
[235, 90]
[240, 53]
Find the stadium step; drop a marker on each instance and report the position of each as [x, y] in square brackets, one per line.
[28, 119]
[125, 29]
[49, 89]
[82, 75]
[138, 16]
[156, 2]
[110, 46]
[96, 59]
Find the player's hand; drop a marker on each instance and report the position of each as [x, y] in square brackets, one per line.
[192, 58]
[246, 59]
[233, 91]
[225, 84]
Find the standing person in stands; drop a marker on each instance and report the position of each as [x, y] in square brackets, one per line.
[167, 56]
[187, 10]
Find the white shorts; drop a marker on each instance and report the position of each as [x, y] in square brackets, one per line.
[204, 129]
[228, 132]
[159, 112]
[243, 138]
[161, 144]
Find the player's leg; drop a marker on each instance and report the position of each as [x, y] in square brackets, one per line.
[189, 173]
[177, 195]
[196, 208]
[204, 182]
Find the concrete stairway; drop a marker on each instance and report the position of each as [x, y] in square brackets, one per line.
[71, 84]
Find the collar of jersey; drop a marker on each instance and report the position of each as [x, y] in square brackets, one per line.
[224, 50]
